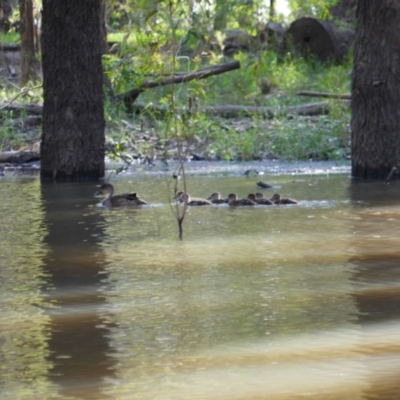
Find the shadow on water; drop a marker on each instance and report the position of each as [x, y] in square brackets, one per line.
[376, 282]
[74, 266]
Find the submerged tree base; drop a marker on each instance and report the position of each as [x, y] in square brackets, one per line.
[76, 176]
[368, 172]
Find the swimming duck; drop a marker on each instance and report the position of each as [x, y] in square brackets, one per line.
[251, 172]
[234, 201]
[264, 185]
[125, 199]
[215, 198]
[259, 200]
[191, 201]
[277, 199]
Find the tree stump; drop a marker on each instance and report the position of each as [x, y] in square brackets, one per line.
[321, 39]
[237, 40]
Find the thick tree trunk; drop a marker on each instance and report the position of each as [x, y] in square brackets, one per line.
[73, 119]
[376, 89]
[27, 41]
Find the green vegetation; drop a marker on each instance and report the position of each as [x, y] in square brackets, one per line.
[152, 40]
[9, 37]
[290, 138]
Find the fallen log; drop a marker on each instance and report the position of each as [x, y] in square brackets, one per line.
[225, 111]
[18, 108]
[320, 39]
[233, 111]
[18, 157]
[130, 97]
[10, 47]
[29, 121]
[325, 95]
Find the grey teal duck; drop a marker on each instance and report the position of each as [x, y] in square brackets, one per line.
[120, 200]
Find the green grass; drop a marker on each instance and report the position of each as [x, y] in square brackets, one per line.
[10, 37]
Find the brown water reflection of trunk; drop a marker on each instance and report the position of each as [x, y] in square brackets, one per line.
[376, 294]
[79, 346]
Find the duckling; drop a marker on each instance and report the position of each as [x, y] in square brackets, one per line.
[215, 198]
[178, 196]
[259, 200]
[259, 195]
[234, 201]
[251, 172]
[125, 199]
[191, 201]
[277, 199]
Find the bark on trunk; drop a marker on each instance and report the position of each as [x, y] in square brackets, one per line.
[376, 89]
[73, 119]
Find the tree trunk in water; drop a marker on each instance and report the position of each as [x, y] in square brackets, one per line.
[375, 94]
[73, 118]
[27, 41]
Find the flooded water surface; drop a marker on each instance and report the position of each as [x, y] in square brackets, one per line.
[266, 302]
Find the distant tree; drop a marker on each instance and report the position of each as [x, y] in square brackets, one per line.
[375, 104]
[73, 118]
[5, 13]
[27, 41]
[271, 9]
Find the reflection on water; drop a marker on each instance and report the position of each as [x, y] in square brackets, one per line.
[75, 265]
[277, 302]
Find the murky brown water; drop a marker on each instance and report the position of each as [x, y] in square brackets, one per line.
[285, 302]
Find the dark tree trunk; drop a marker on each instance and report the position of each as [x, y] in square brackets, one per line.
[73, 118]
[271, 9]
[375, 94]
[27, 41]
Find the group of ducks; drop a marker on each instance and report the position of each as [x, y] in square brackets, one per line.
[233, 200]
[132, 199]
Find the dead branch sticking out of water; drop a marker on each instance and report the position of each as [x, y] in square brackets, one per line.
[391, 173]
[179, 171]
